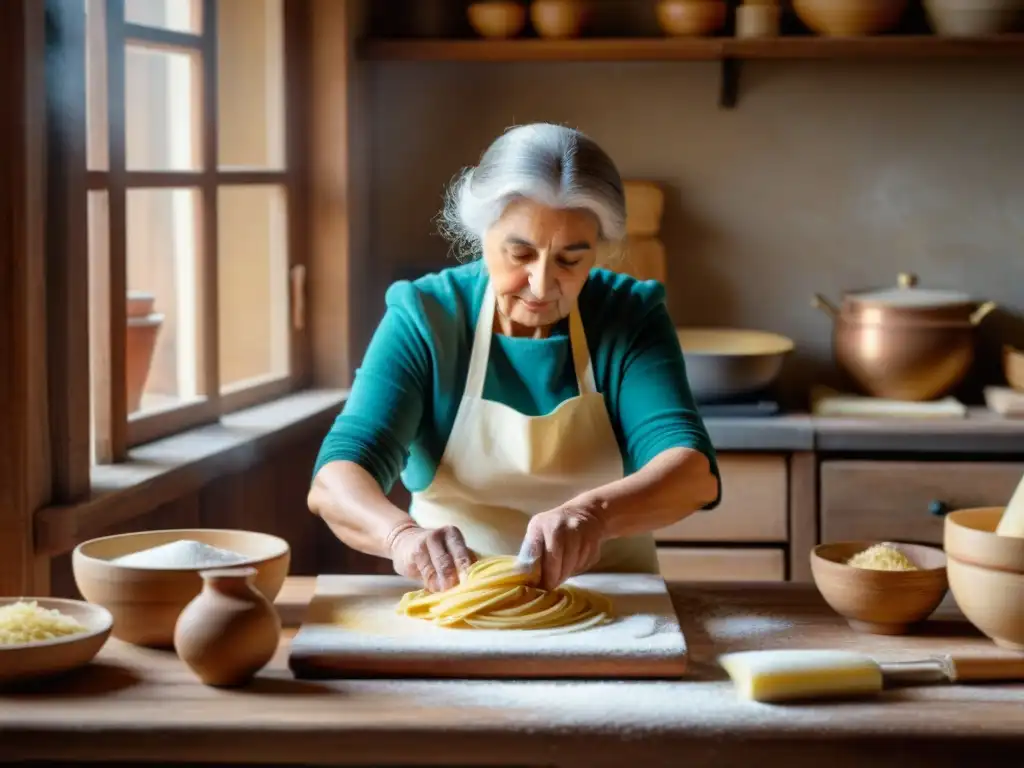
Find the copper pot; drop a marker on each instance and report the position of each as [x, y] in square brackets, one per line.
[905, 343]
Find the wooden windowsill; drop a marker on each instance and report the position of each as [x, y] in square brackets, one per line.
[166, 469]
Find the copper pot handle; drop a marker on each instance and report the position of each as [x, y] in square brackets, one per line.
[826, 306]
[981, 312]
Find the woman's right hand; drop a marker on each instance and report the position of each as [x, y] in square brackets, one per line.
[435, 556]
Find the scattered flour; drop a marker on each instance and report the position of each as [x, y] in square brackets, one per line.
[183, 553]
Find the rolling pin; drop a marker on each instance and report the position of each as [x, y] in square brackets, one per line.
[1012, 521]
[792, 675]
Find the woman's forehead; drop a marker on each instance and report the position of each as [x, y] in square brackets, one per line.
[529, 222]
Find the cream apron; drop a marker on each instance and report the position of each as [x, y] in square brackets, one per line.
[500, 467]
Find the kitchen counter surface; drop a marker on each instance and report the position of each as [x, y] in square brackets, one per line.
[136, 704]
[981, 432]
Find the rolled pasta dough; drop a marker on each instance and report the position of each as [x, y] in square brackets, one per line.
[497, 593]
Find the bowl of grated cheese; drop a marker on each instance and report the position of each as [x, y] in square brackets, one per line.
[146, 579]
[882, 588]
[45, 636]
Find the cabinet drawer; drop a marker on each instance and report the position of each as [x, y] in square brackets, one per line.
[714, 564]
[906, 500]
[755, 489]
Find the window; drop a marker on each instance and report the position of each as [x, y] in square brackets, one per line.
[195, 272]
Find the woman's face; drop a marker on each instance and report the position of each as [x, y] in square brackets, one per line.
[538, 259]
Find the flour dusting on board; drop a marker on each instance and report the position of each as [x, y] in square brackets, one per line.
[356, 617]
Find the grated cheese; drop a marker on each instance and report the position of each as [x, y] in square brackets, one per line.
[882, 557]
[28, 622]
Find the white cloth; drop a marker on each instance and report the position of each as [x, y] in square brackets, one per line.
[500, 467]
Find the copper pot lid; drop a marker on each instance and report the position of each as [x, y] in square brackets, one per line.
[906, 295]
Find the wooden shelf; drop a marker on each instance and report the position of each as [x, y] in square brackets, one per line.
[729, 51]
[694, 49]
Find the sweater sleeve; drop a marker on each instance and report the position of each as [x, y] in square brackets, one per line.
[656, 407]
[383, 412]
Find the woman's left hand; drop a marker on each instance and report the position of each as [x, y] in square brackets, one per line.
[565, 541]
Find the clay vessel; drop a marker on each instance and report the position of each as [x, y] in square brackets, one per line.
[229, 631]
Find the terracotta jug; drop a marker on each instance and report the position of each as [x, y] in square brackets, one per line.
[229, 631]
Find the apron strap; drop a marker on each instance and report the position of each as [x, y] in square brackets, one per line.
[481, 351]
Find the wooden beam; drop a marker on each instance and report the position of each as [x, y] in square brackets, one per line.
[24, 441]
[339, 199]
[67, 252]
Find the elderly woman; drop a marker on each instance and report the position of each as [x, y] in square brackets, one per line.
[533, 402]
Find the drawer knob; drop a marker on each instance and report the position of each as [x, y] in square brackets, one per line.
[938, 508]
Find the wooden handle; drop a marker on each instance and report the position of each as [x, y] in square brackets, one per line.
[966, 669]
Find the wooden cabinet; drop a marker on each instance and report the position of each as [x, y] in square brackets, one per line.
[721, 564]
[907, 500]
[753, 508]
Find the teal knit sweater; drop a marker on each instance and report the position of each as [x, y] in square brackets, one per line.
[405, 395]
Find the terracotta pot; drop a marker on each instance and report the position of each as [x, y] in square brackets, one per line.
[140, 343]
[691, 18]
[558, 19]
[230, 631]
[497, 19]
[1013, 367]
[850, 18]
[905, 343]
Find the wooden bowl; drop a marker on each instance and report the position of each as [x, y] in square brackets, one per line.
[993, 601]
[558, 19]
[850, 18]
[1013, 367]
[146, 602]
[880, 602]
[969, 536]
[29, 661]
[497, 19]
[691, 18]
[974, 18]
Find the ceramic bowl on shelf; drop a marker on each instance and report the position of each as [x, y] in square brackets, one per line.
[25, 662]
[850, 18]
[1013, 367]
[986, 574]
[880, 602]
[558, 19]
[974, 18]
[146, 600]
[691, 18]
[497, 19]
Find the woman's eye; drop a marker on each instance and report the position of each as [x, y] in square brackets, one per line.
[569, 262]
[521, 256]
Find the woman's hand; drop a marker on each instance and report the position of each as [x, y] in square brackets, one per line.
[435, 556]
[565, 541]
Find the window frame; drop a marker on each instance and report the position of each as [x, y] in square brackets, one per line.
[117, 431]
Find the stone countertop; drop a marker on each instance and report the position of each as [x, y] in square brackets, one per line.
[134, 704]
[981, 432]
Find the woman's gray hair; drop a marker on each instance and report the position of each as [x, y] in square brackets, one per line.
[550, 164]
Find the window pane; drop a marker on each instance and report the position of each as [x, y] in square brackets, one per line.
[250, 66]
[96, 84]
[99, 313]
[161, 110]
[252, 280]
[165, 322]
[178, 15]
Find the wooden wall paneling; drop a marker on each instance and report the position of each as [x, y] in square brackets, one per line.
[25, 481]
[803, 514]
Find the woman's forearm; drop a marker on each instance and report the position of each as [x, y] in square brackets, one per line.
[673, 485]
[355, 507]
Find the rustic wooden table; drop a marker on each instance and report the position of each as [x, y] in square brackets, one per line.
[136, 705]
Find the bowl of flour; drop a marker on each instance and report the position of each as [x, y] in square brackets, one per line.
[146, 579]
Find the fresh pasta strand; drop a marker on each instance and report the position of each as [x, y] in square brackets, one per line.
[497, 593]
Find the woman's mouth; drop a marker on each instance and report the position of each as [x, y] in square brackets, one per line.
[537, 306]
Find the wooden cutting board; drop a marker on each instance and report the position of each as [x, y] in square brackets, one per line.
[352, 630]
